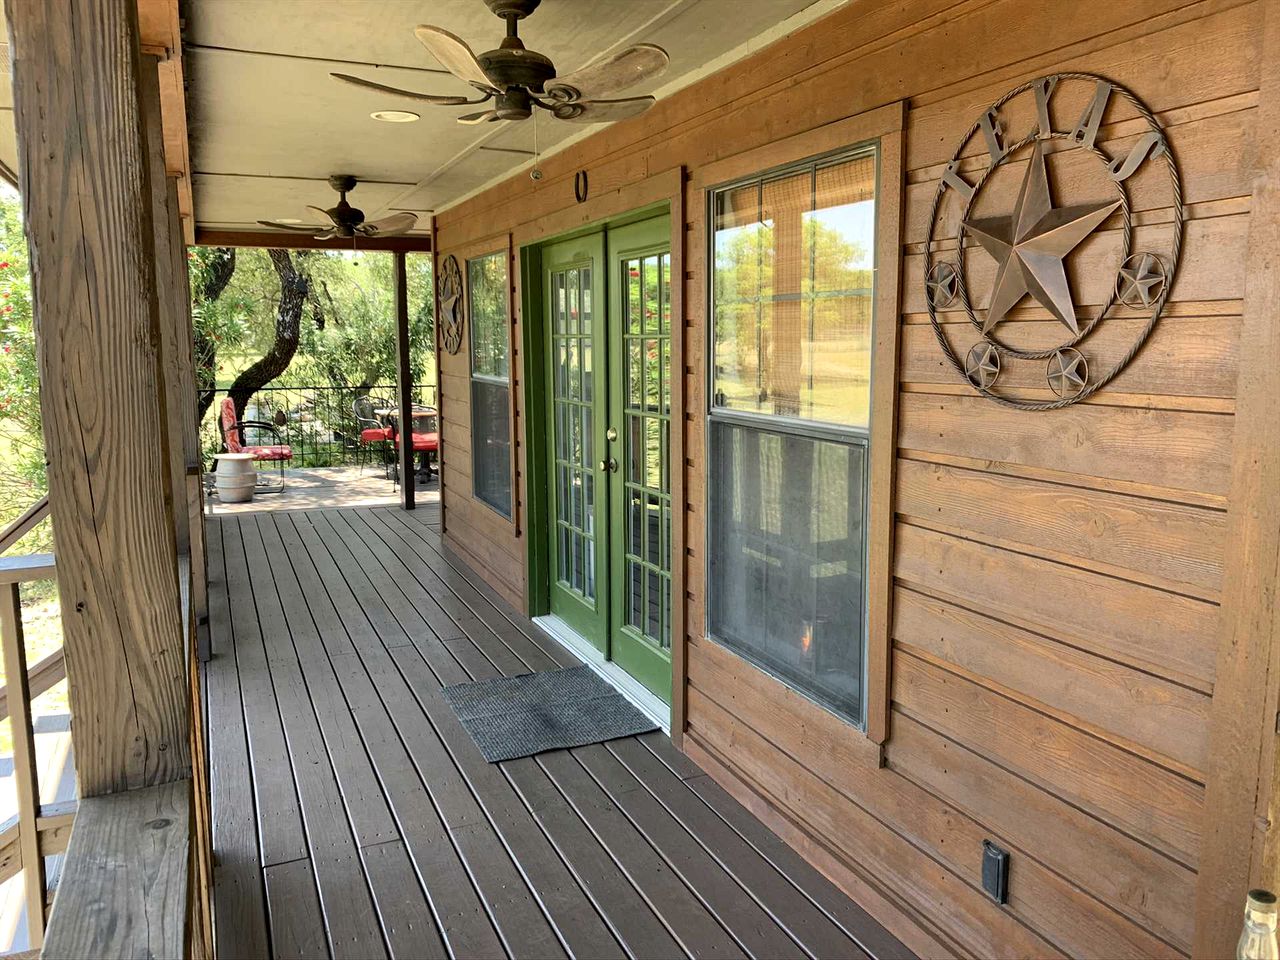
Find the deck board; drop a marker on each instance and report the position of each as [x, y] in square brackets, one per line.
[333, 632]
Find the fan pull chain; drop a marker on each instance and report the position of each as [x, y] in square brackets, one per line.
[536, 173]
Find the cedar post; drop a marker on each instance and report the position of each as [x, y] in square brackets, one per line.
[87, 196]
[1239, 838]
[404, 384]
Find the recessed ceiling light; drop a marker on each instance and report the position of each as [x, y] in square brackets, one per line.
[395, 116]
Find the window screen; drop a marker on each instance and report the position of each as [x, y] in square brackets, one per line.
[792, 295]
[490, 382]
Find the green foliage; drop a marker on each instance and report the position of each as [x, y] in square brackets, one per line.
[347, 336]
[22, 472]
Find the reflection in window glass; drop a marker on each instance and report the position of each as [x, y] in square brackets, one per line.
[787, 533]
[490, 381]
[793, 292]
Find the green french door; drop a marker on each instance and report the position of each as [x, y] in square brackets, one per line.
[607, 307]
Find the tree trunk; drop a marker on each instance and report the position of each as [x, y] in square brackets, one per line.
[206, 351]
[295, 289]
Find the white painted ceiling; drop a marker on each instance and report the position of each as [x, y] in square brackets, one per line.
[268, 125]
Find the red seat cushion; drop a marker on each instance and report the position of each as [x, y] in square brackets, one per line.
[280, 452]
[375, 434]
[424, 441]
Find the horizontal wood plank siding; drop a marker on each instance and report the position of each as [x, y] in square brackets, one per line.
[1057, 575]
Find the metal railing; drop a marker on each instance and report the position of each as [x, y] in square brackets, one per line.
[317, 422]
[37, 831]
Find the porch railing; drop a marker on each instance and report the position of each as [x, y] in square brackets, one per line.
[317, 422]
[37, 831]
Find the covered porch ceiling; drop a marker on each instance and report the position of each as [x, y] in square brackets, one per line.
[254, 125]
[267, 125]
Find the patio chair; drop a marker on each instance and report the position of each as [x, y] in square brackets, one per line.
[373, 432]
[233, 440]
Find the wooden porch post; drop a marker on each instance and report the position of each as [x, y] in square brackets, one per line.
[1240, 838]
[87, 197]
[404, 383]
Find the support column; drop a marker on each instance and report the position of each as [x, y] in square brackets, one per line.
[1240, 840]
[404, 384]
[87, 196]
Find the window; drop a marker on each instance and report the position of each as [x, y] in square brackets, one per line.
[490, 381]
[792, 299]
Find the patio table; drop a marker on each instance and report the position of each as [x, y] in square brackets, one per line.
[391, 415]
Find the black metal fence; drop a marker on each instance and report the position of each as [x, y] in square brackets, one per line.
[318, 423]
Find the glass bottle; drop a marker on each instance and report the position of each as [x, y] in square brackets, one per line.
[1258, 939]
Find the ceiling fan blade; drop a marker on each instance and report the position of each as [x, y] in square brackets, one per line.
[388, 226]
[454, 55]
[319, 216]
[482, 117]
[396, 91]
[601, 111]
[624, 69]
[296, 227]
[327, 234]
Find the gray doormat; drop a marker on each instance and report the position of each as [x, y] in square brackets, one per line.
[511, 717]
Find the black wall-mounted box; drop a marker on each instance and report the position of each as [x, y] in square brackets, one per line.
[995, 871]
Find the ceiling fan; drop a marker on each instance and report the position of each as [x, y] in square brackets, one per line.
[518, 79]
[344, 220]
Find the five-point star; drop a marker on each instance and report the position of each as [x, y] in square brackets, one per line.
[1031, 246]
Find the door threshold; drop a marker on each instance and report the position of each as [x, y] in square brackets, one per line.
[631, 688]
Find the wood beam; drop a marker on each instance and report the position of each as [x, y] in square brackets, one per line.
[123, 891]
[404, 385]
[167, 283]
[1239, 840]
[160, 34]
[283, 241]
[88, 208]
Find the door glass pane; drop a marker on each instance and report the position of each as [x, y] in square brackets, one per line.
[646, 356]
[573, 443]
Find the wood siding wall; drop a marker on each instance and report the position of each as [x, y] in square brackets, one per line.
[1057, 576]
[487, 540]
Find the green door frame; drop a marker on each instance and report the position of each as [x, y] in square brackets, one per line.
[534, 364]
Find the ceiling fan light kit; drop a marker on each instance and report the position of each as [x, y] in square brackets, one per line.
[519, 80]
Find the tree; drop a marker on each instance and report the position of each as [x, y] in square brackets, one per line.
[211, 271]
[295, 293]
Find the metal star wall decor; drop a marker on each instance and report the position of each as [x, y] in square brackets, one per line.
[450, 313]
[1032, 245]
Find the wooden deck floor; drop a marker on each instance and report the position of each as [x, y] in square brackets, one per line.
[354, 817]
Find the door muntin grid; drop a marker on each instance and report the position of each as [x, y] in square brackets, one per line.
[573, 390]
[646, 428]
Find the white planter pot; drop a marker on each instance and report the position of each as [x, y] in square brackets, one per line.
[235, 477]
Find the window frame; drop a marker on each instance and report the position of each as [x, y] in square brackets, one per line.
[880, 133]
[503, 254]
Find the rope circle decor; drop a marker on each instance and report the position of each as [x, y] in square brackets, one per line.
[451, 312]
[1032, 245]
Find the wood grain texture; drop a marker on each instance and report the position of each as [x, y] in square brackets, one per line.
[123, 891]
[1240, 846]
[25, 779]
[1134, 795]
[89, 227]
[565, 846]
[1059, 573]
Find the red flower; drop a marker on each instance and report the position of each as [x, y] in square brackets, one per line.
[8, 308]
[4, 264]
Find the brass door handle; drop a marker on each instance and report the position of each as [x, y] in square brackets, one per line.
[610, 465]
[611, 434]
